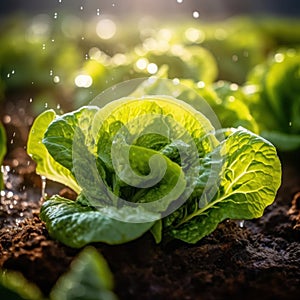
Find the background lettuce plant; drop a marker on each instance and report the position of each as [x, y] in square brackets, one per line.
[273, 96]
[89, 277]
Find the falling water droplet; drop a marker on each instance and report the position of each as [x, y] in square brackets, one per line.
[235, 58]
[196, 14]
[241, 223]
[9, 195]
[56, 79]
[5, 170]
[44, 183]
[81, 7]
[30, 100]
[98, 12]
[55, 15]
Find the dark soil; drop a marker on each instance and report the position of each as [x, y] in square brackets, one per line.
[259, 261]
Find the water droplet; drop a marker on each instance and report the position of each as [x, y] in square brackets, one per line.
[30, 100]
[55, 15]
[81, 7]
[43, 46]
[82, 38]
[106, 29]
[86, 56]
[235, 58]
[44, 184]
[200, 84]
[59, 1]
[13, 72]
[56, 79]
[113, 5]
[196, 14]
[234, 87]
[98, 12]
[176, 81]
[84, 81]
[11, 141]
[8, 75]
[53, 40]
[241, 223]
[290, 124]
[9, 194]
[5, 170]
[194, 35]
[46, 105]
[142, 63]
[58, 106]
[279, 57]
[179, 1]
[152, 68]
[51, 72]
[7, 119]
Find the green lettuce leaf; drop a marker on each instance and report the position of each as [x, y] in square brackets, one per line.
[46, 165]
[89, 277]
[249, 179]
[2, 151]
[76, 225]
[13, 286]
[58, 138]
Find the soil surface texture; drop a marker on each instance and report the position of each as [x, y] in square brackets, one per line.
[259, 260]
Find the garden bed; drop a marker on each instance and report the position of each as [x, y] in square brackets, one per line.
[259, 260]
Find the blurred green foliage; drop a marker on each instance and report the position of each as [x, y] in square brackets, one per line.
[65, 63]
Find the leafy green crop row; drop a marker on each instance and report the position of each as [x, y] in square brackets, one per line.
[261, 56]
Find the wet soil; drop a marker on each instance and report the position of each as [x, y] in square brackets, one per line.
[258, 261]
